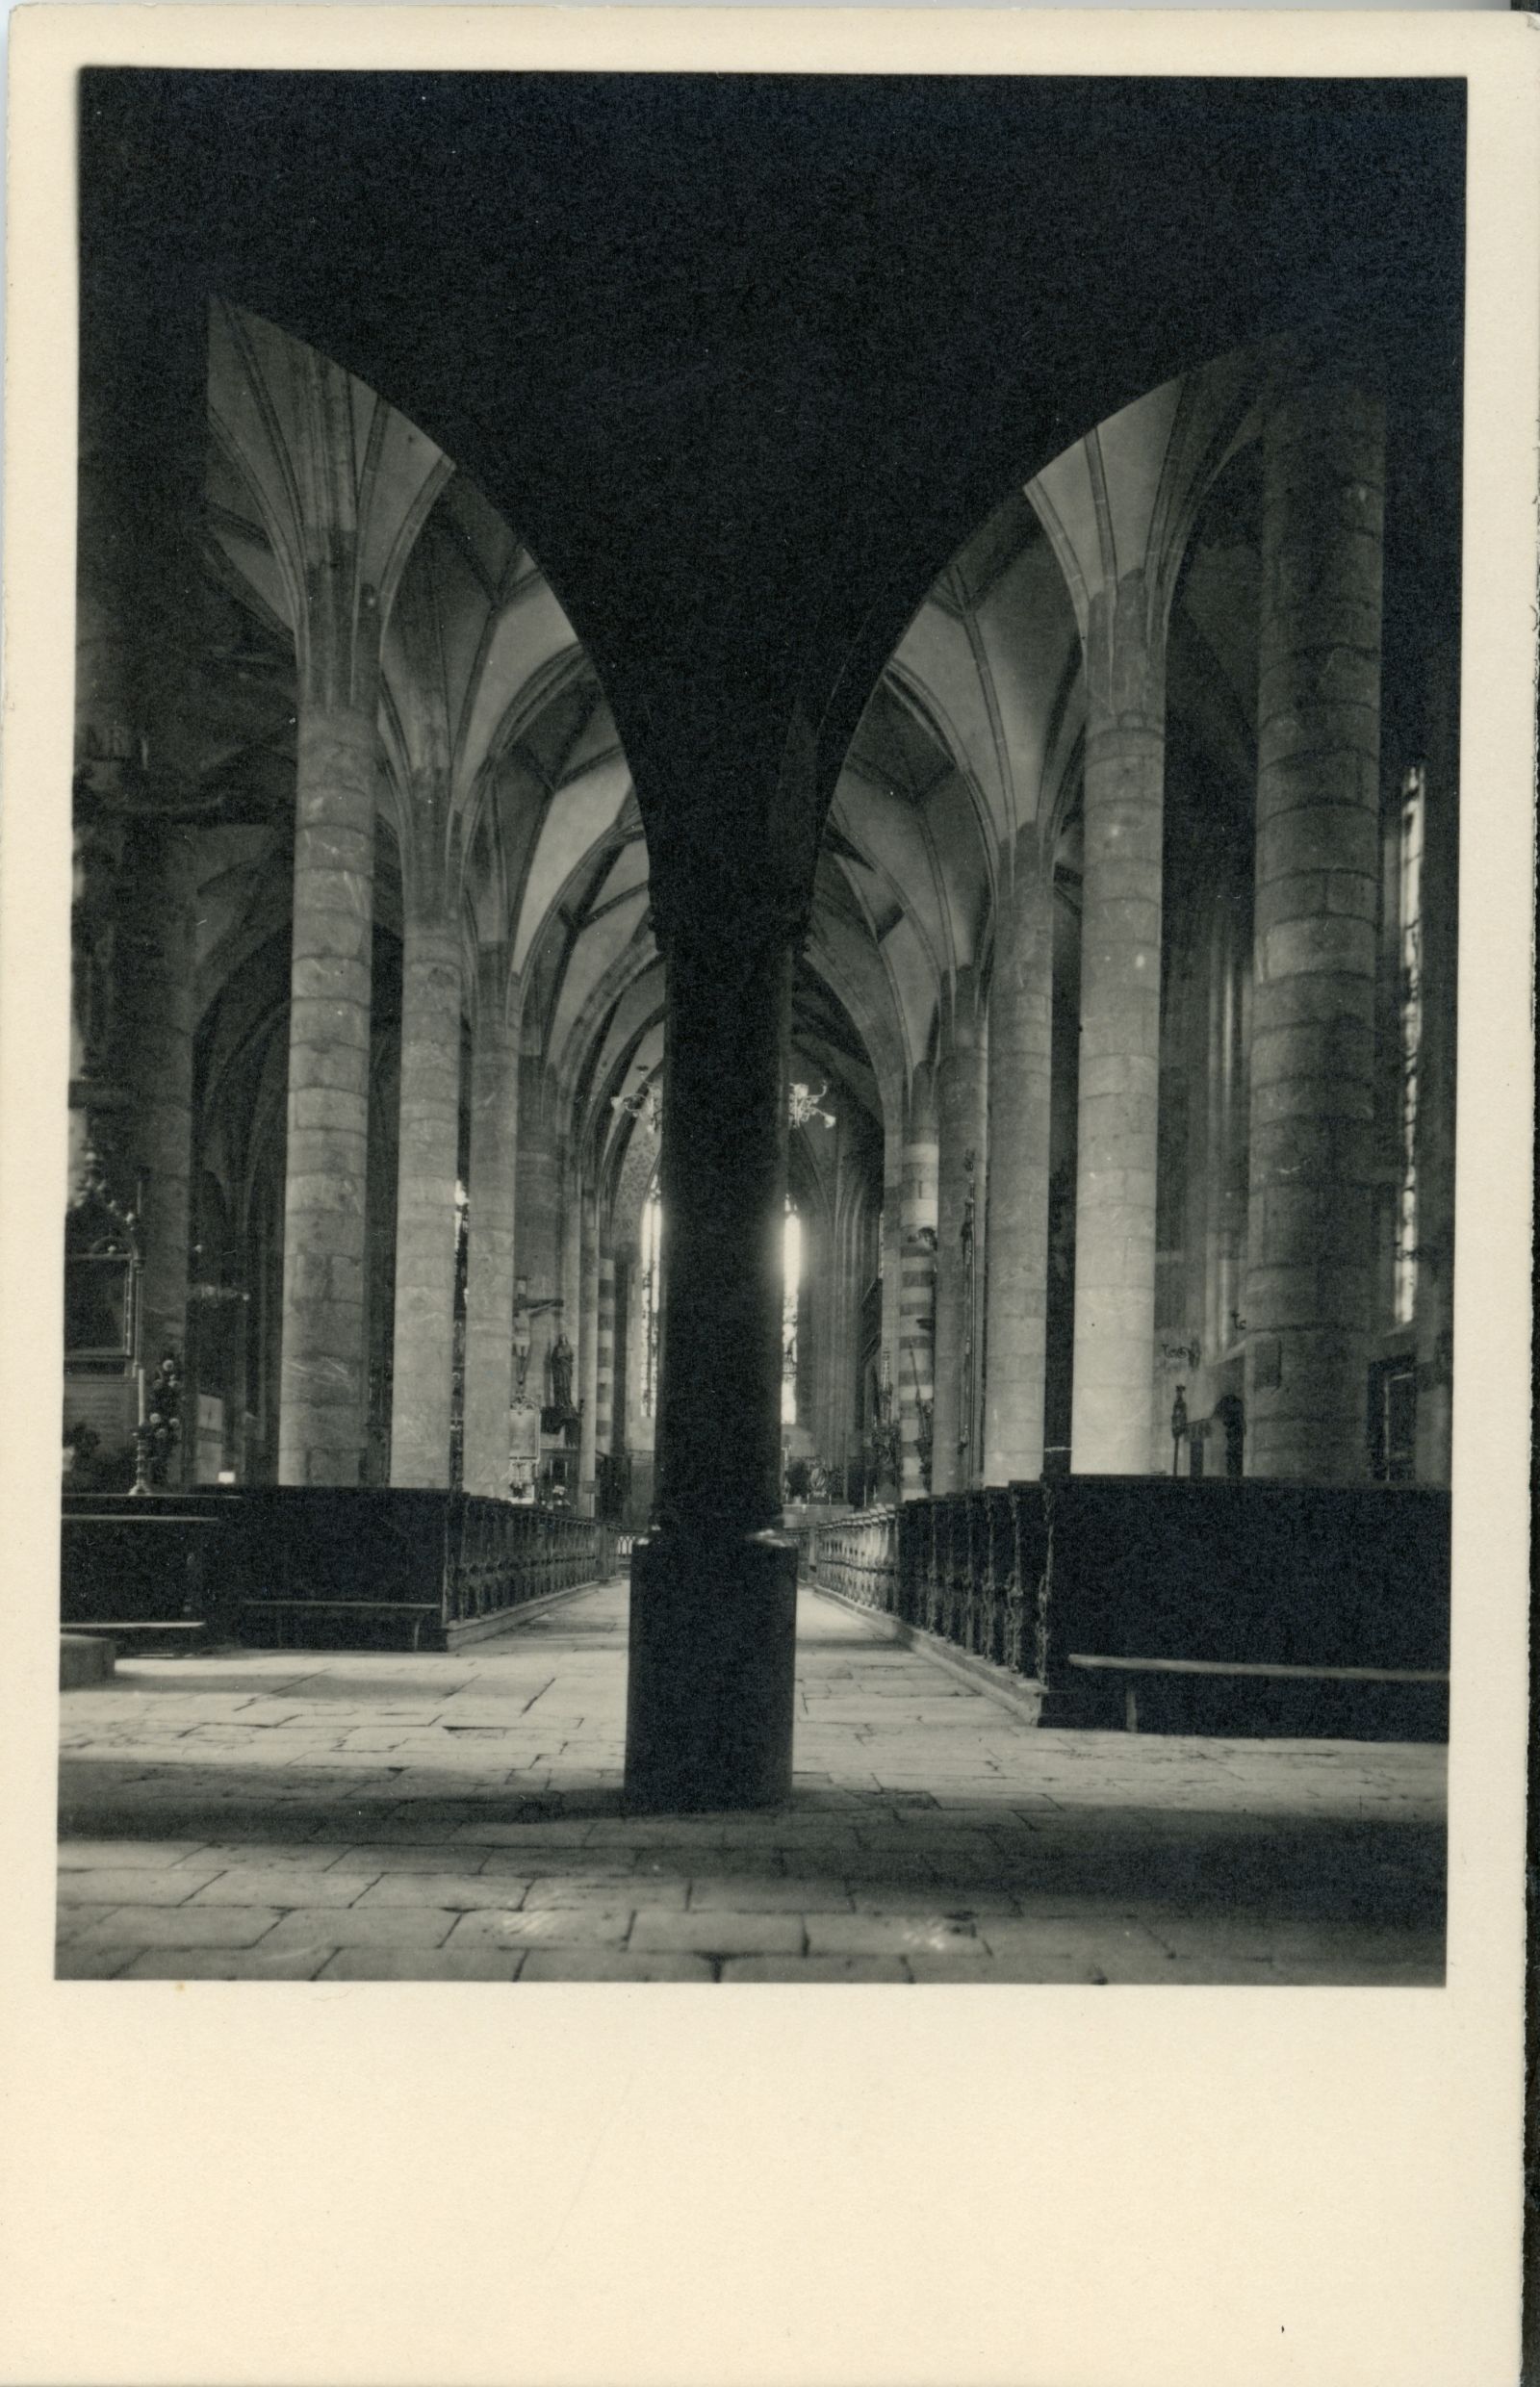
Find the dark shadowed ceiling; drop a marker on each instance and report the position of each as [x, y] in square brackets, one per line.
[747, 359]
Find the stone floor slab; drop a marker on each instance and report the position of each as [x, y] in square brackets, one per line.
[141, 1885]
[717, 1931]
[124, 1854]
[179, 1927]
[352, 1927]
[265, 1963]
[457, 1890]
[584, 1927]
[292, 1886]
[94, 1960]
[815, 1969]
[469, 1964]
[599, 1964]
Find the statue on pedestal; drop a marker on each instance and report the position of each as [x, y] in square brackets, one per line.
[561, 1359]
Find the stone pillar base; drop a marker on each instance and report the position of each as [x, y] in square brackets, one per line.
[710, 1690]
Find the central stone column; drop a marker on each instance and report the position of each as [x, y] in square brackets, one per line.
[423, 1355]
[714, 1586]
[1119, 1034]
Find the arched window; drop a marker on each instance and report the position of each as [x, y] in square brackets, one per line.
[652, 1258]
[792, 1251]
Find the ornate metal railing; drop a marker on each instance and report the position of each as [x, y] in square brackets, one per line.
[500, 1557]
[968, 1569]
[857, 1557]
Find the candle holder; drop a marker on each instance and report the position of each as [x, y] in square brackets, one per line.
[144, 1444]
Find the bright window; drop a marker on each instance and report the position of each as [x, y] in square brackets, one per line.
[652, 1297]
[1409, 891]
[792, 1247]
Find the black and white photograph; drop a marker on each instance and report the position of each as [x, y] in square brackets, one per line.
[756, 1267]
[759, 1258]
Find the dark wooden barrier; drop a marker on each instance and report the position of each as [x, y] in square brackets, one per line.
[1249, 1605]
[317, 1566]
[1220, 1606]
[146, 1573]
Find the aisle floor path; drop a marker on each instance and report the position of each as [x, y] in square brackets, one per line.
[302, 1816]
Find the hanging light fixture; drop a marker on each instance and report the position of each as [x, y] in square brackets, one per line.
[644, 1103]
[803, 1104]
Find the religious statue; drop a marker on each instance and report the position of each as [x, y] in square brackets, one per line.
[561, 1375]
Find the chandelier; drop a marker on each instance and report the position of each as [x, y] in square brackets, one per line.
[643, 1104]
[803, 1105]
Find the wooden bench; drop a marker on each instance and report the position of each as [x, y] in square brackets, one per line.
[421, 1611]
[190, 1628]
[1218, 1668]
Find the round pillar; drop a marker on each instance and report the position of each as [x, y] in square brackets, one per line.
[1310, 1237]
[489, 1260]
[893, 1251]
[153, 957]
[711, 1680]
[423, 1360]
[587, 1343]
[1119, 1036]
[139, 524]
[958, 1215]
[916, 1334]
[605, 1353]
[323, 1381]
[1019, 1080]
[539, 1222]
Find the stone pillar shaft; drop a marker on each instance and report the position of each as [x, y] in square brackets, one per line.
[916, 1382]
[605, 1354]
[490, 1259]
[428, 1165]
[139, 521]
[1311, 1210]
[722, 1183]
[1119, 1037]
[713, 1588]
[586, 1343]
[1020, 1081]
[324, 1390]
[540, 1239]
[892, 1248]
[154, 1003]
[960, 1138]
[1227, 1161]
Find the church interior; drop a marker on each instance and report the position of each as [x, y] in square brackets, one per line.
[767, 866]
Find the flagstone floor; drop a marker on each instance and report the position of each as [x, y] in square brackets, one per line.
[301, 1815]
